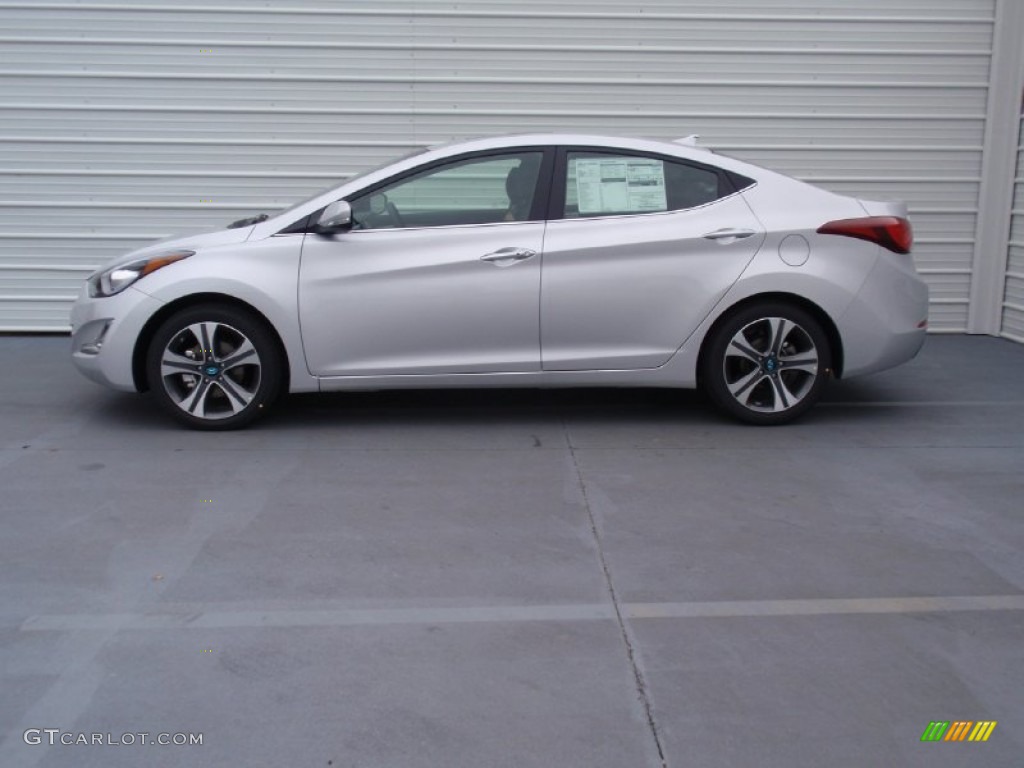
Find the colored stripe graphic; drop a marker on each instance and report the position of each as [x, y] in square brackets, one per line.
[958, 731]
[983, 730]
[935, 730]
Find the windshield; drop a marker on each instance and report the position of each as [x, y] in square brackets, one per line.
[361, 174]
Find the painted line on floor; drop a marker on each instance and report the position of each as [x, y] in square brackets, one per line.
[826, 607]
[515, 613]
[919, 403]
[323, 618]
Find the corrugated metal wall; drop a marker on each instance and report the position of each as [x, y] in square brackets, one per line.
[129, 120]
[1013, 301]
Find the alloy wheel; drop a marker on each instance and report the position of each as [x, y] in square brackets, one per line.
[210, 370]
[770, 365]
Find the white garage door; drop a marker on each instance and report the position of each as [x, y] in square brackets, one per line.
[1013, 302]
[129, 120]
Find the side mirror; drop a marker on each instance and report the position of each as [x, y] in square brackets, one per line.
[336, 218]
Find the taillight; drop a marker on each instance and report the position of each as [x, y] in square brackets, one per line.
[890, 232]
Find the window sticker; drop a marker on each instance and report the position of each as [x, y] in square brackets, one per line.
[620, 185]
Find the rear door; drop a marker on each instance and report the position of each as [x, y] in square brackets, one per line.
[638, 251]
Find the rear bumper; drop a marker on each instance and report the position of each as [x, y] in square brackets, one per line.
[885, 324]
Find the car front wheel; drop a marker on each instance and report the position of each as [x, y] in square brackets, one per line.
[214, 367]
[767, 363]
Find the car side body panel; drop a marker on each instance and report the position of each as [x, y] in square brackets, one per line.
[400, 301]
[263, 275]
[624, 292]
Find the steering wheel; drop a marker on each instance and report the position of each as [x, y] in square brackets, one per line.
[396, 219]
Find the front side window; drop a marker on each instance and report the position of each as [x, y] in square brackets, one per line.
[480, 190]
[605, 184]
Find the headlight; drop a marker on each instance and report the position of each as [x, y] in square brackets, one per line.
[112, 280]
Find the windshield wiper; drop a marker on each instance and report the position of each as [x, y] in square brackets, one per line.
[248, 221]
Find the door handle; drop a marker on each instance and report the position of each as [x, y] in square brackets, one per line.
[504, 257]
[729, 235]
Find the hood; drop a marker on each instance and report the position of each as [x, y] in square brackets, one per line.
[194, 242]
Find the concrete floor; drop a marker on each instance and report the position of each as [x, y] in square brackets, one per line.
[604, 578]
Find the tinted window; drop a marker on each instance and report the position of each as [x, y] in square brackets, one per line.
[481, 190]
[605, 184]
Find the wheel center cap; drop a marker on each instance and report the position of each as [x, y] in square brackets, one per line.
[770, 364]
[211, 370]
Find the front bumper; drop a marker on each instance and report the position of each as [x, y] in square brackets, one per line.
[104, 333]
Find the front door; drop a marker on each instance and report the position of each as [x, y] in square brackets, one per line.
[440, 275]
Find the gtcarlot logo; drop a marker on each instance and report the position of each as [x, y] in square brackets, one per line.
[55, 736]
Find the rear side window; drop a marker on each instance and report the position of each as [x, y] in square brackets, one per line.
[606, 184]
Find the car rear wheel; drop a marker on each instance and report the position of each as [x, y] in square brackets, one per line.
[767, 363]
[214, 367]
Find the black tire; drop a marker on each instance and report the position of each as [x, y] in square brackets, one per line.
[214, 367]
[760, 376]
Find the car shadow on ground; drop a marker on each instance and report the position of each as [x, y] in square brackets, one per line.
[495, 407]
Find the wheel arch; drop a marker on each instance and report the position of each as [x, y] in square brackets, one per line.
[835, 340]
[149, 330]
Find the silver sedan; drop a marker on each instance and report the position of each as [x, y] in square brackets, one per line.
[528, 261]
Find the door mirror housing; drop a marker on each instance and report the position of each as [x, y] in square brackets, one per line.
[336, 218]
